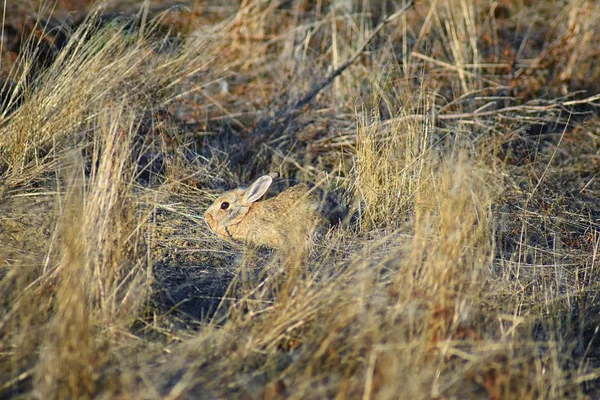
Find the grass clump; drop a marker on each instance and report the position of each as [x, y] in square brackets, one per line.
[461, 137]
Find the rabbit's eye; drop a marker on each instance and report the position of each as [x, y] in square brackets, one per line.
[224, 205]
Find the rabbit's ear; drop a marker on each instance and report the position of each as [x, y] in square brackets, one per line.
[258, 189]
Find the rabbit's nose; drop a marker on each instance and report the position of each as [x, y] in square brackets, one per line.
[210, 221]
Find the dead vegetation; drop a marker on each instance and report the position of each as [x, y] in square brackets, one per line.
[465, 135]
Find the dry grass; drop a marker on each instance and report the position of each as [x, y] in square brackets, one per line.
[466, 138]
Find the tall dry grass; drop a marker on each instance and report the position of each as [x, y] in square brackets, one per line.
[77, 135]
[103, 63]
[468, 268]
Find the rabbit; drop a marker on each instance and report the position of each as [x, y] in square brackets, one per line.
[282, 221]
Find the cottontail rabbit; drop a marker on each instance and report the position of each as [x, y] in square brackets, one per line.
[286, 219]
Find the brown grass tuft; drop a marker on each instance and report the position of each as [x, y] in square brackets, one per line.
[461, 136]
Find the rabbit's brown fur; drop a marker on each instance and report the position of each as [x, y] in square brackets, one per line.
[282, 221]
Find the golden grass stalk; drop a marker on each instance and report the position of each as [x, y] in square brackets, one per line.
[84, 286]
[99, 66]
[101, 274]
[390, 165]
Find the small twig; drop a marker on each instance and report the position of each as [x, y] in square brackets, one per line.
[18, 379]
[588, 100]
[222, 108]
[453, 68]
[312, 93]
[287, 112]
[522, 108]
[334, 74]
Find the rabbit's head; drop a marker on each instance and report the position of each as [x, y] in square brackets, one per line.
[229, 210]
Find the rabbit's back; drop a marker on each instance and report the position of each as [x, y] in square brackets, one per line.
[294, 214]
[282, 220]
